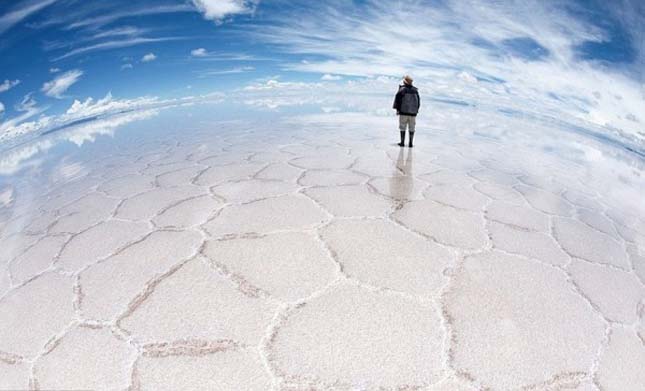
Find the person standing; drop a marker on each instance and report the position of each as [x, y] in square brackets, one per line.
[406, 103]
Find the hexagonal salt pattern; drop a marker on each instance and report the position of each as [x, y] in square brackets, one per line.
[393, 342]
[59, 367]
[315, 260]
[513, 301]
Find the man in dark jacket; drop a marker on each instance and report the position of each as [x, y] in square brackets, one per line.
[406, 104]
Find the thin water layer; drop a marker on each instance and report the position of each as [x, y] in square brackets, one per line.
[182, 250]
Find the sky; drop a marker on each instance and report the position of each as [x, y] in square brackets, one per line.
[63, 61]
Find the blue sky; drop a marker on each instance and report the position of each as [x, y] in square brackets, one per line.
[583, 54]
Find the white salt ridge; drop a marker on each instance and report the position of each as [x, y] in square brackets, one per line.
[45, 304]
[99, 242]
[513, 301]
[454, 227]
[280, 172]
[331, 178]
[545, 201]
[127, 185]
[400, 187]
[14, 376]
[214, 309]
[37, 258]
[535, 245]
[215, 175]
[252, 190]
[352, 280]
[147, 205]
[84, 213]
[58, 369]
[288, 212]
[457, 196]
[299, 264]
[188, 213]
[412, 264]
[109, 286]
[313, 342]
[618, 294]
[520, 216]
[582, 241]
[240, 369]
[350, 200]
[621, 364]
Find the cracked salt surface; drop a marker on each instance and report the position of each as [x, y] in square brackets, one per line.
[242, 256]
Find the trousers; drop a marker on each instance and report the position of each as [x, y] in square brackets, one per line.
[408, 121]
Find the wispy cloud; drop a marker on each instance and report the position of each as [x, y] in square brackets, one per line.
[27, 103]
[8, 84]
[54, 70]
[119, 32]
[530, 47]
[108, 18]
[1, 109]
[202, 54]
[126, 66]
[21, 12]
[96, 35]
[216, 72]
[148, 57]
[115, 44]
[218, 10]
[57, 87]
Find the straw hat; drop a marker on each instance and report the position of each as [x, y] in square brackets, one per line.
[407, 79]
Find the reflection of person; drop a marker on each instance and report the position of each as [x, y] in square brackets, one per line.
[406, 104]
[401, 185]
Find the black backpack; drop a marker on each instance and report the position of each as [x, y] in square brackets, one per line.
[409, 101]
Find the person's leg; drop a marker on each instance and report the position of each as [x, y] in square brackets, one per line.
[411, 128]
[402, 126]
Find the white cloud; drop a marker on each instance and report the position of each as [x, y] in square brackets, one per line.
[54, 70]
[200, 52]
[81, 123]
[122, 43]
[128, 31]
[6, 196]
[24, 156]
[103, 20]
[148, 57]
[18, 128]
[375, 38]
[465, 76]
[328, 77]
[17, 15]
[215, 72]
[126, 66]
[8, 84]
[28, 103]
[55, 88]
[217, 10]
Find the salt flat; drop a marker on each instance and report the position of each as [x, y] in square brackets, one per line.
[248, 256]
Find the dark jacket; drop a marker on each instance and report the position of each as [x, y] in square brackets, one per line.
[398, 99]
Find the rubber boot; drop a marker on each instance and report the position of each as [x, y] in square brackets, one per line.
[411, 139]
[402, 143]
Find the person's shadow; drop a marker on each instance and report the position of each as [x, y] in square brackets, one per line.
[402, 180]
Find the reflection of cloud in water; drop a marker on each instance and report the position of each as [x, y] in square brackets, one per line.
[18, 157]
[6, 196]
[68, 171]
[439, 93]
